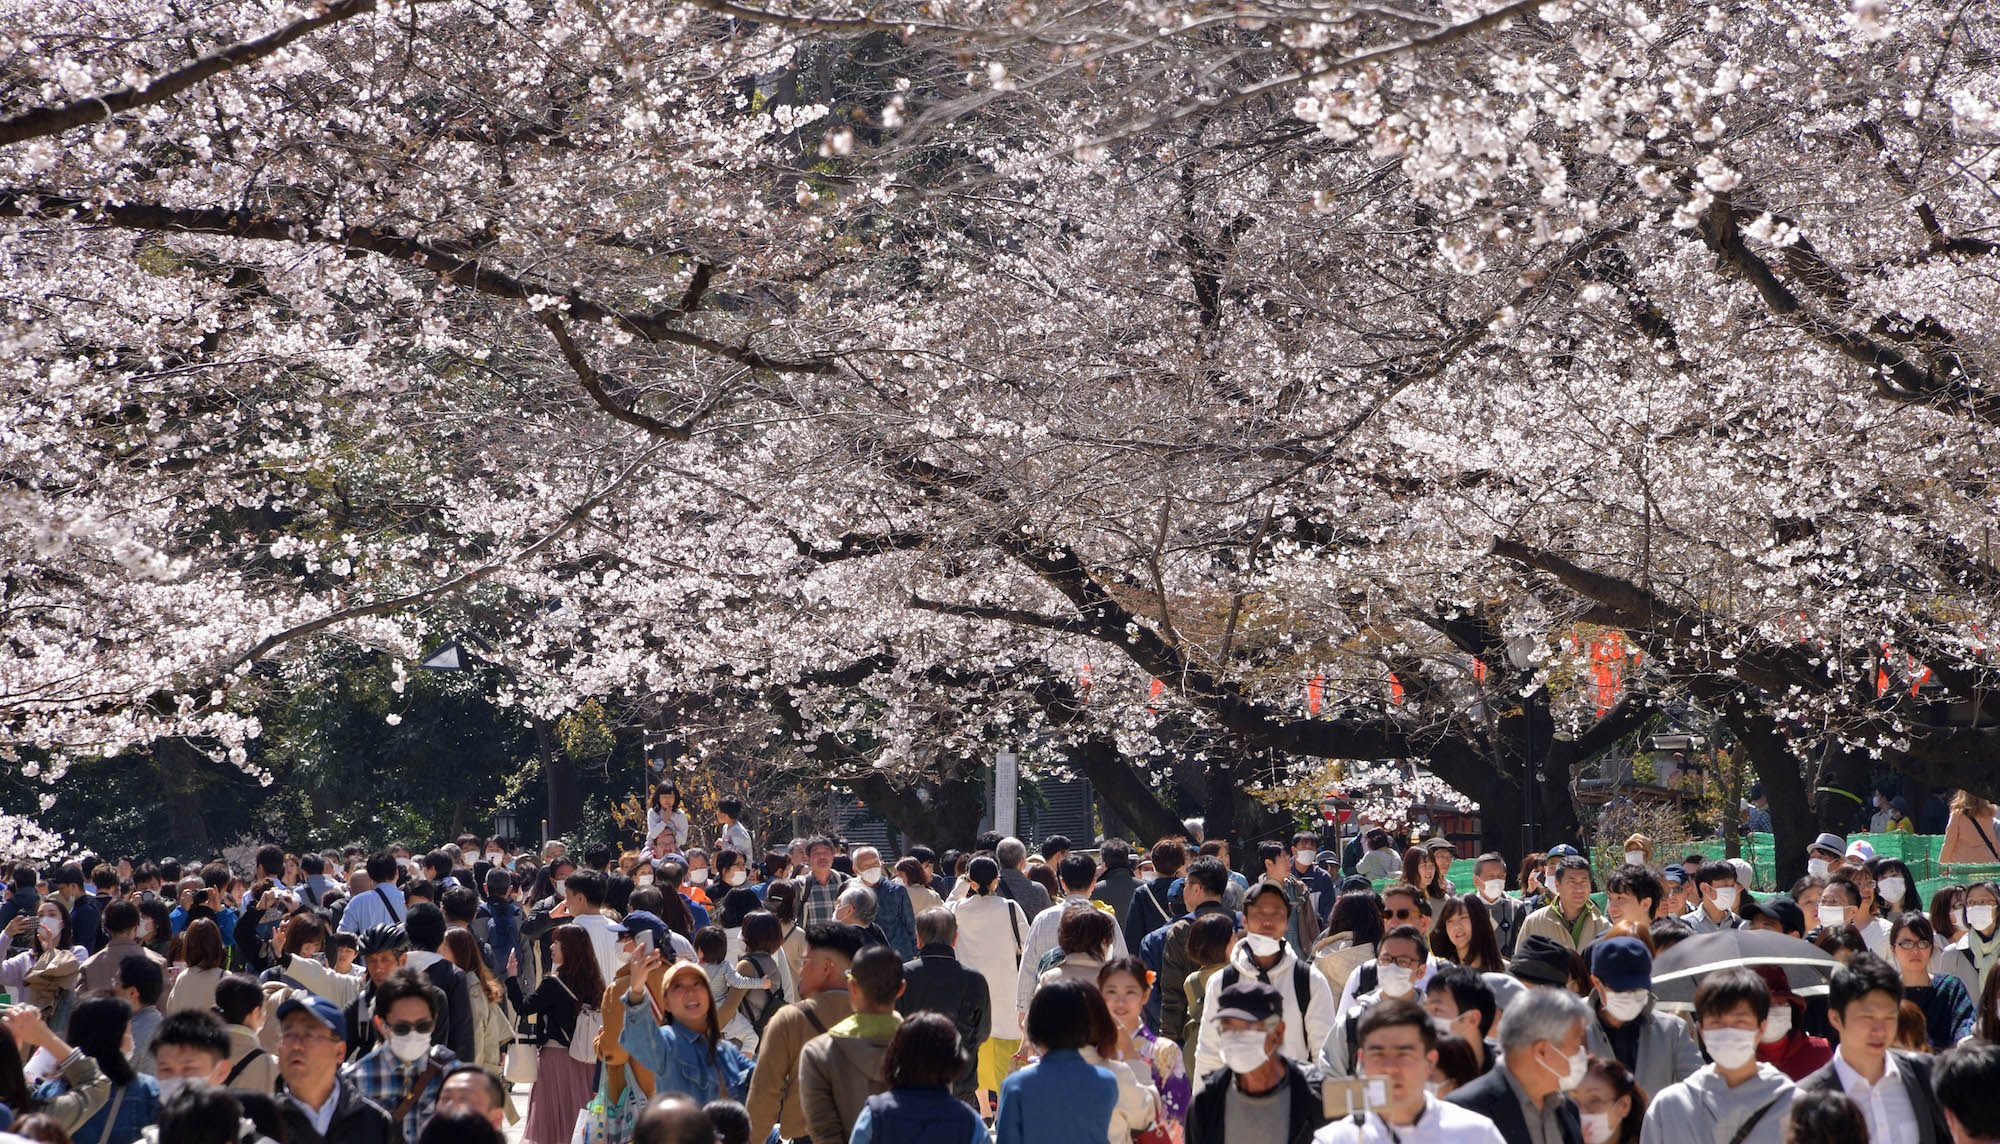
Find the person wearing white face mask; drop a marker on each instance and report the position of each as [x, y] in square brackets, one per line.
[1737, 1099]
[1255, 1091]
[893, 912]
[1823, 853]
[1719, 894]
[1399, 1046]
[1784, 1041]
[1489, 872]
[1971, 956]
[406, 1063]
[1404, 955]
[1543, 1059]
[1654, 1046]
[1262, 955]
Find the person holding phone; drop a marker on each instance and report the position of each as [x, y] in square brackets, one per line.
[1398, 1045]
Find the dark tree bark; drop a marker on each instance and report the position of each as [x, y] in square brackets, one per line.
[1777, 768]
[565, 798]
[1124, 789]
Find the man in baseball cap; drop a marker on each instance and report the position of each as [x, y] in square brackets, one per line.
[1264, 956]
[1654, 1046]
[312, 1042]
[1249, 1038]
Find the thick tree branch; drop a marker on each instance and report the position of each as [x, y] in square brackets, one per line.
[431, 256]
[593, 384]
[40, 121]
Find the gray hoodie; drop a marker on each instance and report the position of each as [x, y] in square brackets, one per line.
[1703, 1109]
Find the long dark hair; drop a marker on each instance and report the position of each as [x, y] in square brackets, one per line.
[674, 911]
[65, 937]
[1485, 946]
[654, 802]
[1622, 1085]
[1357, 912]
[14, 1090]
[579, 965]
[97, 1026]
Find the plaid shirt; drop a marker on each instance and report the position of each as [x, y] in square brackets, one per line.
[817, 899]
[386, 1080]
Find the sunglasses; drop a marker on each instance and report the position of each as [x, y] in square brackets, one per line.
[405, 1028]
[1403, 914]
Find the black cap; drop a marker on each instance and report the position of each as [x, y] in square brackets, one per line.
[1249, 1001]
[1263, 886]
[1784, 911]
[1541, 961]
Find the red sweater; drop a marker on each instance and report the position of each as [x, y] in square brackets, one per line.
[1797, 1056]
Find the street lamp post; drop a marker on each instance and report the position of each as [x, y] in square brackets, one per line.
[503, 824]
[1521, 653]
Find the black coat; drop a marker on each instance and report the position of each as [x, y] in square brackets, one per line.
[1915, 1069]
[1492, 1097]
[454, 1027]
[936, 981]
[1206, 1116]
[356, 1120]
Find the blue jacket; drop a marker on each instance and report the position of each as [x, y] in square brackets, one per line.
[1061, 1099]
[896, 917]
[1317, 881]
[917, 1116]
[86, 924]
[680, 1058]
[139, 1107]
[502, 927]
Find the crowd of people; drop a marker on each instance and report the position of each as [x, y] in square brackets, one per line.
[1177, 993]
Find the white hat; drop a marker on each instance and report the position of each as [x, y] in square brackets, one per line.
[1861, 850]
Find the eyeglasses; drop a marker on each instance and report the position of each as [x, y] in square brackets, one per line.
[1403, 962]
[301, 1036]
[405, 1028]
[1911, 945]
[1403, 914]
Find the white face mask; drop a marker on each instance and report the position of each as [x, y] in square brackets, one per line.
[51, 930]
[1730, 1048]
[698, 877]
[1394, 979]
[145, 929]
[737, 877]
[1891, 889]
[495, 857]
[1493, 888]
[1979, 918]
[1725, 897]
[1635, 857]
[169, 1085]
[1817, 867]
[1262, 945]
[871, 875]
[1305, 858]
[403, 862]
[1243, 1051]
[1832, 915]
[1778, 1025]
[1578, 1064]
[1596, 1127]
[643, 880]
[1442, 1025]
[409, 1046]
[1149, 877]
[1626, 1004]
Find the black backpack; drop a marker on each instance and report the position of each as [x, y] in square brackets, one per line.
[774, 998]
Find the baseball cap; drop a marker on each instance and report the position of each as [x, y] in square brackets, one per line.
[1562, 850]
[1439, 843]
[1861, 850]
[1249, 1001]
[1622, 963]
[1782, 910]
[641, 921]
[1541, 961]
[321, 1010]
[1675, 874]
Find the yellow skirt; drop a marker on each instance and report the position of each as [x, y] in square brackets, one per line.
[996, 1062]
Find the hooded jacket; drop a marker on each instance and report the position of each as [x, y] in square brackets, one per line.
[839, 1070]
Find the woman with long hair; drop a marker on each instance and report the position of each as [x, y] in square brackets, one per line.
[1138, 1107]
[1353, 928]
[1529, 878]
[1946, 902]
[303, 935]
[1420, 869]
[1947, 1008]
[664, 810]
[102, 1028]
[1463, 932]
[992, 932]
[1969, 832]
[49, 973]
[687, 1054]
[193, 991]
[490, 1028]
[1124, 983]
[1895, 889]
[1973, 953]
[563, 1084]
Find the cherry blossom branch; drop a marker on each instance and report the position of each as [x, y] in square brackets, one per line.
[469, 272]
[463, 580]
[587, 376]
[42, 121]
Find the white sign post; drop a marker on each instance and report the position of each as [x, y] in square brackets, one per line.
[1006, 791]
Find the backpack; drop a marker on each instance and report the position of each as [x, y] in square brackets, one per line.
[774, 998]
[1049, 961]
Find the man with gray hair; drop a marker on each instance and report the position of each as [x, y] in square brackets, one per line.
[1543, 1058]
[1011, 853]
[893, 912]
[856, 907]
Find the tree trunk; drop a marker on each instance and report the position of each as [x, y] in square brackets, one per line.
[949, 817]
[1124, 789]
[1555, 810]
[565, 799]
[1222, 784]
[1843, 772]
[1777, 768]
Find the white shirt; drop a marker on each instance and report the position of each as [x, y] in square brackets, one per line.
[1885, 1105]
[1439, 1123]
[1041, 938]
[603, 942]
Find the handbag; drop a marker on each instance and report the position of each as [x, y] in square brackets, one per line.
[523, 1062]
[610, 1121]
[589, 1023]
